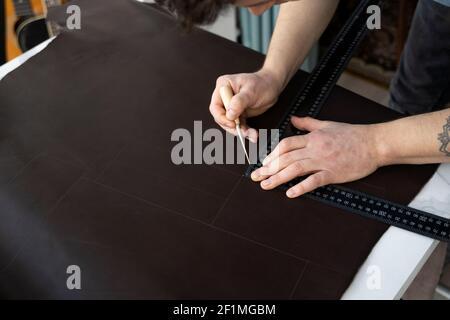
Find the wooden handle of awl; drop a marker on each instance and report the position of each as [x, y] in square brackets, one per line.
[226, 93]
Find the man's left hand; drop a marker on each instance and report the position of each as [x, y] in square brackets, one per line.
[330, 153]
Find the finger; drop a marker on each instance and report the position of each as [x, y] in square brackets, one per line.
[230, 131]
[278, 164]
[237, 106]
[286, 145]
[217, 110]
[252, 135]
[228, 80]
[246, 131]
[311, 183]
[296, 169]
[308, 123]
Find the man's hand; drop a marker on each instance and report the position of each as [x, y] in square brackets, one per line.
[254, 93]
[331, 153]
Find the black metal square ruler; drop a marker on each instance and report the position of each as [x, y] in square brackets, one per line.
[309, 102]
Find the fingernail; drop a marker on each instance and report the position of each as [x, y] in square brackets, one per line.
[255, 175]
[290, 193]
[265, 183]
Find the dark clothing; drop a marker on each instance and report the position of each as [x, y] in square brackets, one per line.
[422, 82]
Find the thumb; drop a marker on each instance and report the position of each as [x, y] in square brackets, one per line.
[237, 106]
[307, 124]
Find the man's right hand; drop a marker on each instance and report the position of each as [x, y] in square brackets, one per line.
[254, 93]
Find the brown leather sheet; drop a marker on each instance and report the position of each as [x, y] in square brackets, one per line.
[86, 177]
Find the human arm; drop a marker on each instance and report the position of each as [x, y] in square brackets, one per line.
[337, 152]
[299, 25]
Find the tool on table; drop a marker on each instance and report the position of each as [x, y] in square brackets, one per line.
[226, 93]
[309, 102]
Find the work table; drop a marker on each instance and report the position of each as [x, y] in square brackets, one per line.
[398, 255]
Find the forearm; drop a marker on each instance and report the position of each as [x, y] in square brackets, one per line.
[300, 24]
[414, 140]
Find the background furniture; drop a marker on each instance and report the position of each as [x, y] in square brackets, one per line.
[2, 33]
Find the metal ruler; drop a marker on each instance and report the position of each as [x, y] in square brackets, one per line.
[309, 102]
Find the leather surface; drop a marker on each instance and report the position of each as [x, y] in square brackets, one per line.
[86, 177]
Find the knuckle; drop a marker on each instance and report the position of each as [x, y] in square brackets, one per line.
[287, 158]
[315, 137]
[223, 80]
[285, 145]
[267, 170]
[240, 103]
[298, 167]
[237, 101]
[276, 178]
[230, 131]
[326, 144]
[320, 140]
[298, 189]
[316, 180]
[327, 177]
[219, 120]
[304, 139]
[275, 166]
[250, 85]
[319, 180]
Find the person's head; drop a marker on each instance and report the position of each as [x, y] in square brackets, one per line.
[191, 12]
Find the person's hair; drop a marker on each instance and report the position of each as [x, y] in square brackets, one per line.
[194, 12]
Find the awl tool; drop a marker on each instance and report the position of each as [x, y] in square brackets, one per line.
[226, 93]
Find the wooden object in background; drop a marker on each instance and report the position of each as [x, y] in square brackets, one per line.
[378, 56]
[26, 26]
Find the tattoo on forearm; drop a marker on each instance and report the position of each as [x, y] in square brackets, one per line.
[444, 138]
